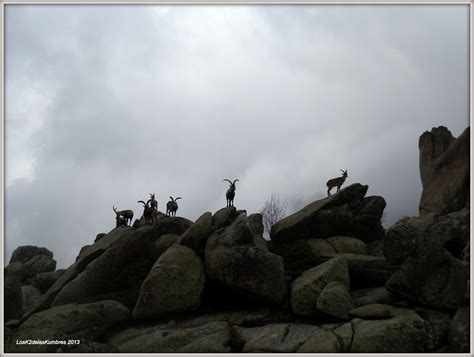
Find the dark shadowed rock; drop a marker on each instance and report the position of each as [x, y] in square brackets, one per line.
[43, 281]
[27, 261]
[256, 222]
[400, 334]
[345, 335]
[212, 337]
[174, 284]
[223, 217]
[162, 243]
[427, 248]
[307, 288]
[24, 253]
[437, 327]
[235, 261]
[372, 311]
[444, 169]
[88, 321]
[99, 236]
[32, 333]
[335, 300]
[343, 244]
[30, 295]
[459, 332]
[287, 338]
[367, 296]
[196, 236]
[13, 298]
[346, 213]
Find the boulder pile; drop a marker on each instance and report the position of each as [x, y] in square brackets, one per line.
[331, 279]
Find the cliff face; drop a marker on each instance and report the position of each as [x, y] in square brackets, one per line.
[330, 280]
[444, 170]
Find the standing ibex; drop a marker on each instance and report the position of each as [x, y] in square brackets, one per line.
[230, 194]
[122, 218]
[172, 207]
[153, 202]
[149, 213]
[336, 182]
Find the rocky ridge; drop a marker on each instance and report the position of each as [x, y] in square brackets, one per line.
[330, 280]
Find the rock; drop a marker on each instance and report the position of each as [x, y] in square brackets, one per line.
[429, 251]
[372, 311]
[256, 223]
[346, 213]
[402, 334]
[12, 324]
[30, 295]
[444, 163]
[13, 298]
[282, 338]
[162, 243]
[88, 347]
[307, 288]
[345, 335]
[117, 274]
[321, 342]
[302, 254]
[335, 300]
[43, 281]
[213, 337]
[27, 261]
[174, 284]
[343, 244]
[196, 236]
[437, 325]
[99, 236]
[459, 332]
[367, 296]
[88, 321]
[375, 248]
[235, 262]
[32, 334]
[223, 217]
[24, 253]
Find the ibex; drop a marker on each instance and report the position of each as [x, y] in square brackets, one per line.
[149, 213]
[230, 194]
[153, 202]
[172, 207]
[336, 182]
[123, 218]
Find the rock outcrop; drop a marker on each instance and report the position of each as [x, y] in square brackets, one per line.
[445, 170]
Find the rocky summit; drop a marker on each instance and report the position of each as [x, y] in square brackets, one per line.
[330, 280]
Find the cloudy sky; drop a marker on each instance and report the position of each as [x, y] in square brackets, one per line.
[105, 104]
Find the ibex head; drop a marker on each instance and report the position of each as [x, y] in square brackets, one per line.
[232, 184]
[117, 213]
[344, 173]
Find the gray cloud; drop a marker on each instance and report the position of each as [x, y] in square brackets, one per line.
[105, 104]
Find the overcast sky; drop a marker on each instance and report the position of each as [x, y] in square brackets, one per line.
[105, 104]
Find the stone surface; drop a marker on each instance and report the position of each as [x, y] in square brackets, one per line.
[306, 289]
[13, 298]
[459, 331]
[444, 169]
[372, 311]
[30, 295]
[81, 321]
[43, 281]
[346, 213]
[34, 333]
[345, 335]
[234, 261]
[162, 243]
[223, 217]
[335, 300]
[401, 334]
[342, 244]
[174, 284]
[367, 296]
[196, 236]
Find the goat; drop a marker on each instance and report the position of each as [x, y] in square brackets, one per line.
[336, 182]
[172, 207]
[123, 218]
[230, 194]
[149, 213]
[153, 202]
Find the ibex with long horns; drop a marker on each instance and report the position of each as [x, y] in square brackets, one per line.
[153, 202]
[122, 218]
[230, 194]
[172, 206]
[336, 182]
[149, 213]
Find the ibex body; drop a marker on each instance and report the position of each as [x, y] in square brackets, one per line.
[153, 202]
[336, 182]
[172, 207]
[230, 194]
[149, 213]
[123, 218]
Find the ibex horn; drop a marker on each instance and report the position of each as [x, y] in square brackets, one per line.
[228, 181]
[235, 181]
[177, 198]
[171, 198]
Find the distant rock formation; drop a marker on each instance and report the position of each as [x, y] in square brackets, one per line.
[444, 170]
[330, 280]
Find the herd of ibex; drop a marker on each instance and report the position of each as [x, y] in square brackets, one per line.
[150, 208]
